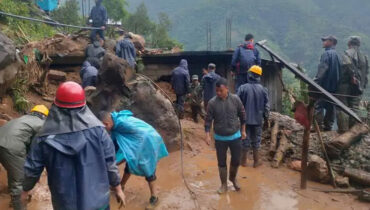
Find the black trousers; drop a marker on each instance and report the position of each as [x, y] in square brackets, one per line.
[235, 149]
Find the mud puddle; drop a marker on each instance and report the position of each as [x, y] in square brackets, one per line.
[262, 188]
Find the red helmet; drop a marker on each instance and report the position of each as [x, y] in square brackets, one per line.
[70, 95]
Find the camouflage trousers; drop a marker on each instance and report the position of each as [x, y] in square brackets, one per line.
[345, 95]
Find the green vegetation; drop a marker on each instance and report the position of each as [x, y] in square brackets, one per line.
[292, 27]
[156, 34]
[116, 9]
[68, 13]
[22, 31]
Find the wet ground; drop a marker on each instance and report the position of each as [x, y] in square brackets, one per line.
[263, 188]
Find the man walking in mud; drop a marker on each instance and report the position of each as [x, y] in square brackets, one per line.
[256, 102]
[77, 153]
[226, 113]
[180, 82]
[98, 18]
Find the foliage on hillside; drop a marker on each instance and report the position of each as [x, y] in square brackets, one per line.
[292, 27]
[71, 8]
[22, 31]
[156, 34]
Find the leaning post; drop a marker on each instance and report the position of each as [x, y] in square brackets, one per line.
[306, 144]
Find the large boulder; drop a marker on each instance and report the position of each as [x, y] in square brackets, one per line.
[119, 88]
[7, 51]
[152, 106]
[8, 63]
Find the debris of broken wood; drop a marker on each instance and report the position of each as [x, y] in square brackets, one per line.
[274, 135]
[358, 176]
[317, 169]
[280, 152]
[345, 140]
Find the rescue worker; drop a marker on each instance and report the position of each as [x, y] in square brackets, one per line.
[256, 103]
[226, 113]
[209, 84]
[180, 81]
[139, 145]
[98, 18]
[195, 97]
[125, 49]
[15, 140]
[352, 81]
[78, 155]
[89, 72]
[244, 57]
[327, 77]
[95, 50]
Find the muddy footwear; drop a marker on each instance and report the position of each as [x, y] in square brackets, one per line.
[223, 178]
[232, 177]
[153, 202]
[17, 203]
[243, 158]
[257, 162]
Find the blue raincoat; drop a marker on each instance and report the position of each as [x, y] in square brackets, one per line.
[180, 79]
[47, 5]
[78, 155]
[139, 144]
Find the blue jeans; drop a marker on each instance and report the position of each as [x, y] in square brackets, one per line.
[180, 101]
[240, 80]
[254, 135]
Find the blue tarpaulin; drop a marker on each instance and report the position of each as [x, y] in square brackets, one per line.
[47, 5]
[139, 144]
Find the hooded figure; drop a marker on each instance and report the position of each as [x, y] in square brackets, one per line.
[180, 81]
[99, 19]
[256, 103]
[244, 57]
[78, 155]
[125, 49]
[95, 50]
[89, 72]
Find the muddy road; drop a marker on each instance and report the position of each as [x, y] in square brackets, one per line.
[262, 188]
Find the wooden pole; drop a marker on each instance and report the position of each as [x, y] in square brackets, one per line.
[305, 146]
[325, 153]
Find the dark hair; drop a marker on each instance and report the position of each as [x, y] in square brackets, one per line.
[221, 81]
[103, 115]
[248, 37]
[94, 62]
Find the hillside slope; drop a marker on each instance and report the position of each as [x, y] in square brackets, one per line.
[293, 27]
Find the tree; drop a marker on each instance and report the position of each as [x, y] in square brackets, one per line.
[160, 37]
[139, 22]
[68, 13]
[116, 9]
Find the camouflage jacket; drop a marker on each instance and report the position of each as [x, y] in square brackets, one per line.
[196, 94]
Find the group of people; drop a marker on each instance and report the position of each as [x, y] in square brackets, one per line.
[236, 119]
[79, 155]
[343, 76]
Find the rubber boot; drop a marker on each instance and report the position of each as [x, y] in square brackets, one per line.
[17, 203]
[243, 158]
[223, 178]
[256, 158]
[232, 177]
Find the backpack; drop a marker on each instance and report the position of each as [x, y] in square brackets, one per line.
[360, 69]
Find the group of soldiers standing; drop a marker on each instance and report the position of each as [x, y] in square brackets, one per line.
[343, 76]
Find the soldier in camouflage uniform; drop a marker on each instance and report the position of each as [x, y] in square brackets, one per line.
[352, 81]
[195, 98]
